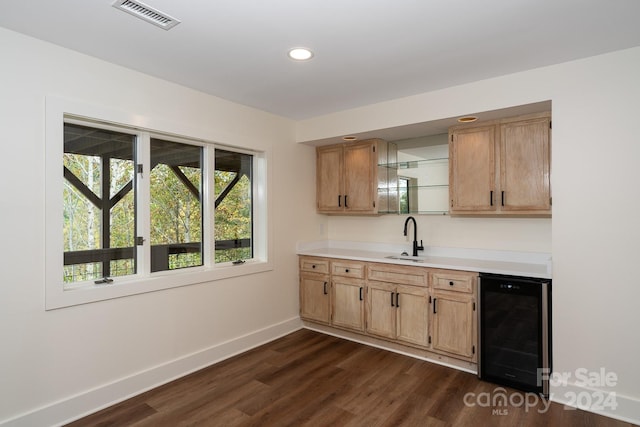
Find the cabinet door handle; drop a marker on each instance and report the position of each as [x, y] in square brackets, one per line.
[397, 299]
[502, 198]
[434, 305]
[339, 201]
[324, 288]
[392, 299]
[490, 198]
[345, 201]
[361, 293]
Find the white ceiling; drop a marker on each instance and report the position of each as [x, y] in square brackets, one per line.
[366, 51]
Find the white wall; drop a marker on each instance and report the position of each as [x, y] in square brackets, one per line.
[62, 363]
[595, 230]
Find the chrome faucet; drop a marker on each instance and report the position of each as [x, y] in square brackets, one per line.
[416, 248]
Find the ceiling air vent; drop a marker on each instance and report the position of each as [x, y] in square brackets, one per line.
[146, 13]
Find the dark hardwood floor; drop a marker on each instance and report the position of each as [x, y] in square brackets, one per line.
[311, 379]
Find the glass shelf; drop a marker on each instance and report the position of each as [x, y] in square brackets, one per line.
[413, 177]
[414, 164]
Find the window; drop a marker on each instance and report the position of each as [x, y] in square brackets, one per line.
[98, 203]
[176, 208]
[139, 210]
[233, 217]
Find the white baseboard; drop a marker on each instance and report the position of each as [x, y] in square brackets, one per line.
[75, 407]
[600, 401]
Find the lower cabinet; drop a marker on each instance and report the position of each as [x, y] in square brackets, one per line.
[347, 293]
[453, 314]
[412, 306]
[452, 324]
[398, 312]
[348, 303]
[314, 298]
[426, 308]
[315, 285]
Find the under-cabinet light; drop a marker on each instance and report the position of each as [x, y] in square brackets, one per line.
[467, 119]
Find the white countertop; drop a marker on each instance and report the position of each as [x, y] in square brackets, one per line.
[528, 264]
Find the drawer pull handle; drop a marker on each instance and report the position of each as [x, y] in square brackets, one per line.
[313, 266]
[450, 283]
[346, 270]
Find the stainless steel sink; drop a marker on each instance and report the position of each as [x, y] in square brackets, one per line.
[407, 258]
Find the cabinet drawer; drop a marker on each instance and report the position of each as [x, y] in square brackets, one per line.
[347, 269]
[314, 265]
[398, 274]
[453, 282]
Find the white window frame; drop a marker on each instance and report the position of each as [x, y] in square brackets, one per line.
[57, 295]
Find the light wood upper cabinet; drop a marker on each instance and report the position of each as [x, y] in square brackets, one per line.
[472, 169]
[501, 167]
[524, 165]
[329, 179]
[347, 178]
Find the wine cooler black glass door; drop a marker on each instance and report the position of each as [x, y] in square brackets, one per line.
[514, 328]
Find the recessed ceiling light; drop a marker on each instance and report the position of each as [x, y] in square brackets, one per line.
[467, 119]
[300, 54]
[349, 138]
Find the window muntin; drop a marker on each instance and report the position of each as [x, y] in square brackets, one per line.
[99, 215]
[233, 230]
[175, 205]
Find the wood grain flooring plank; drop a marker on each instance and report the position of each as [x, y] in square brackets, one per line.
[307, 405]
[118, 415]
[412, 411]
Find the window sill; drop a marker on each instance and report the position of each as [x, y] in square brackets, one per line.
[57, 297]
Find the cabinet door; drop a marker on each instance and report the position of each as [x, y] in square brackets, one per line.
[453, 324]
[360, 181]
[329, 178]
[347, 303]
[412, 311]
[524, 165]
[381, 311]
[472, 180]
[314, 298]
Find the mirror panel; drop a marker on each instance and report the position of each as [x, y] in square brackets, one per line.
[415, 177]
